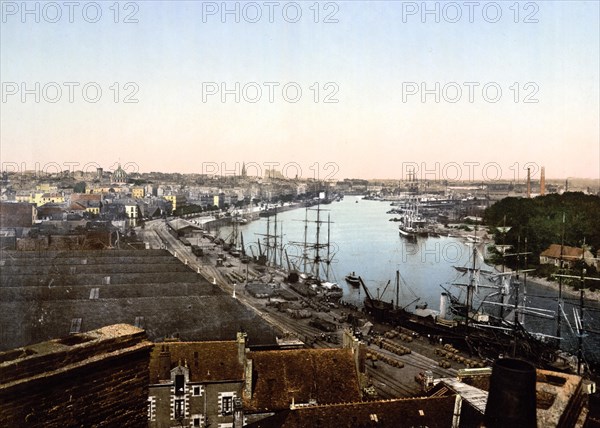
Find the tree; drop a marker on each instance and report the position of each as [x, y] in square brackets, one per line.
[79, 187]
[540, 220]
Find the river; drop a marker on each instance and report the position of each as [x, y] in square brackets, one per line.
[363, 240]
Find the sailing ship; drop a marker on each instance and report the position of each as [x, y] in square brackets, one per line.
[411, 223]
[492, 328]
[308, 272]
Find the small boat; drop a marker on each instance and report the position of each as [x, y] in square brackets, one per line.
[352, 279]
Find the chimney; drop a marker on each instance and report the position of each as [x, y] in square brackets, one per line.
[241, 341]
[238, 413]
[543, 182]
[528, 183]
[164, 363]
[511, 401]
[248, 379]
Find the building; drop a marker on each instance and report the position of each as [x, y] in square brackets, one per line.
[119, 176]
[281, 379]
[570, 255]
[195, 383]
[98, 378]
[17, 214]
[561, 399]
[224, 384]
[131, 208]
[177, 201]
[138, 192]
[148, 288]
[47, 198]
[92, 202]
[181, 228]
[437, 412]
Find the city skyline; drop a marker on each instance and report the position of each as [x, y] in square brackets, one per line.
[370, 88]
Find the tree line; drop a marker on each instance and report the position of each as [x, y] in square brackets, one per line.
[539, 221]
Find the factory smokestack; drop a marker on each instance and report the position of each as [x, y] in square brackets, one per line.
[528, 183]
[543, 182]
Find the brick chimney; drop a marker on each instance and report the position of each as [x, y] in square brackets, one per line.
[241, 341]
[164, 363]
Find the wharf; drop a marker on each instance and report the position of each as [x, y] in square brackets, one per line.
[294, 316]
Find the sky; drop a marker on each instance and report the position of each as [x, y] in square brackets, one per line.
[330, 90]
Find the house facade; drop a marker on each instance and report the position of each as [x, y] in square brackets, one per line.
[225, 385]
[196, 384]
[569, 255]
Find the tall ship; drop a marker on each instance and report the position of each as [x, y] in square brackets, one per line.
[308, 267]
[484, 318]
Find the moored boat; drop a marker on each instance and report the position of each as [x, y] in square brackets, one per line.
[352, 279]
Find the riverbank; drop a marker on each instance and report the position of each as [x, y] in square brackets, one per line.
[567, 290]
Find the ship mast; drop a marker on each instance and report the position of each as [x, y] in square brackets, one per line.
[317, 245]
[275, 240]
[559, 309]
[328, 261]
[579, 317]
[304, 254]
[471, 286]
[516, 317]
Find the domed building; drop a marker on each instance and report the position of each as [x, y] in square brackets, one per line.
[119, 176]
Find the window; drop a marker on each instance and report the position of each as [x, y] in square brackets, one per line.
[179, 384]
[226, 405]
[179, 409]
[152, 408]
[75, 325]
[94, 293]
[139, 322]
[197, 420]
[196, 391]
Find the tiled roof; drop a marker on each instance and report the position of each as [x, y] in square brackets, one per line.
[325, 375]
[568, 253]
[207, 361]
[76, 206]
[435, 412]
[86, 197]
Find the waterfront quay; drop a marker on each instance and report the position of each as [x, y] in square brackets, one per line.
[315, 322]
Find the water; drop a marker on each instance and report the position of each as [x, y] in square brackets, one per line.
[363, 240]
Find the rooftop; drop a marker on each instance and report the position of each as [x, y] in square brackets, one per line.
[48, 294]
[433, 412]
[301, 375]
[207, 361]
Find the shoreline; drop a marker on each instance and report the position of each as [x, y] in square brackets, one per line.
[567, 290]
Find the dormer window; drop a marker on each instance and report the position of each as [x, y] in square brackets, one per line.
[179, 384]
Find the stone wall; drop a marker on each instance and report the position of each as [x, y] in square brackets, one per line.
[98, 378]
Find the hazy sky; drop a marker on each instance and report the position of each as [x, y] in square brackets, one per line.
[373, 58]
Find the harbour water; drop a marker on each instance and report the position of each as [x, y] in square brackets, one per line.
[364, 241]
